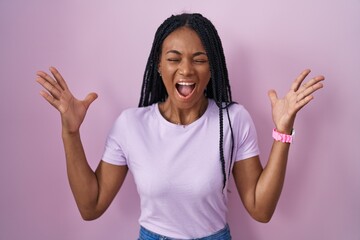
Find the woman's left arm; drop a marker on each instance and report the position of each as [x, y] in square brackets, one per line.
[259, 187]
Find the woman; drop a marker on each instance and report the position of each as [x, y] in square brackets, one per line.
[183, 141]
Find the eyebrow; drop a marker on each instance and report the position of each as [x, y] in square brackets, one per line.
[179, 53]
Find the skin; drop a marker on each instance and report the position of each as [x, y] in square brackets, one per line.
[93, 191]
[260, 188]
[183, 58]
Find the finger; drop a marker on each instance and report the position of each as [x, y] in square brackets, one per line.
[58, 78]
[311, 82]
[49, 98]
[310, 87]
[89, 99]
[272, 96]
[301, 103]
[296, 84]
[49, 87]
[49, 79]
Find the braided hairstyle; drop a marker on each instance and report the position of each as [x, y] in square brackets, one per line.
[153, 90]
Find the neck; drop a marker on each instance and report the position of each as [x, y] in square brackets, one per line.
[183, 116]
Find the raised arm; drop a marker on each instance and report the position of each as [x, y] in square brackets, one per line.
[93, 191]
[259, 187]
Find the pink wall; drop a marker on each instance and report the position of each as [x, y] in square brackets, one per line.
[102, 46]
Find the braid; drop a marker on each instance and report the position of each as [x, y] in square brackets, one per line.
[221, 147]
[153, 89]
[220, 87]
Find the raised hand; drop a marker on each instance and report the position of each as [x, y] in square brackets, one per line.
[57, 93]
[284, 110]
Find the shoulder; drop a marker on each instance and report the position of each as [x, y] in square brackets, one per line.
[239, 116]
[231, 107]
[134, 116]
[236, 110]
[136, 112]
[235, 107]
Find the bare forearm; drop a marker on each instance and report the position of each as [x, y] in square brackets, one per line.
[259, 187]
[271, 180]
[82, 179]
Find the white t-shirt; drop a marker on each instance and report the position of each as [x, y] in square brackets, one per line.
[177, 169]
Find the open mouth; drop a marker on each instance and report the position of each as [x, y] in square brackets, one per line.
[185, 88]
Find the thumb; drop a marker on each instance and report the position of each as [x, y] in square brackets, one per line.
[272, 96]
[89, 99]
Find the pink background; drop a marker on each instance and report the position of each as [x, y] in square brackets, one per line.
[102, 46]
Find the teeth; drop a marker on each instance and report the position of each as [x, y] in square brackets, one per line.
[185, 83]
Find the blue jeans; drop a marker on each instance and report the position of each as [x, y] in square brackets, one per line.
[223, 234]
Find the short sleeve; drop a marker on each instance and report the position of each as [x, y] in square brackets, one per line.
[114, 144]
[246, 142]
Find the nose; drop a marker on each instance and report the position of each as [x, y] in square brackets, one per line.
[186, 68]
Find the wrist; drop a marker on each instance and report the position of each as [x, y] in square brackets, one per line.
[285, 129]
[68, 134]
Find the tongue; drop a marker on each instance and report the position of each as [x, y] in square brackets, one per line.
[184, 90]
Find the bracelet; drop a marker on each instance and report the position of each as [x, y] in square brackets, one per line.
[281, 137]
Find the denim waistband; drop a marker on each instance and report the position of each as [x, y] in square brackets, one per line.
[223, 234]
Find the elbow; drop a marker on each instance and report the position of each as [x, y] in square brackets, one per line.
[262, 217]
[89, 215]
[90, 212]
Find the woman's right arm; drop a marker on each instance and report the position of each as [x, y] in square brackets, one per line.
[93, 191]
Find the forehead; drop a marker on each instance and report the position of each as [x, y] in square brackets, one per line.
[183, 39]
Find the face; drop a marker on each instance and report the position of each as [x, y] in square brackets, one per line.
[184, 67]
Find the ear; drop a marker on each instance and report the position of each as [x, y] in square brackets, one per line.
[158, 69]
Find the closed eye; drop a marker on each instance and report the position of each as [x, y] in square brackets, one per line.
[200, 61]
[173, 60]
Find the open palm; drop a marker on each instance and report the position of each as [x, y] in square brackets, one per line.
[57, 93]
[284, 110]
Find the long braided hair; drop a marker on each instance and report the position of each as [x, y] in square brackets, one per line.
[153, 90]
